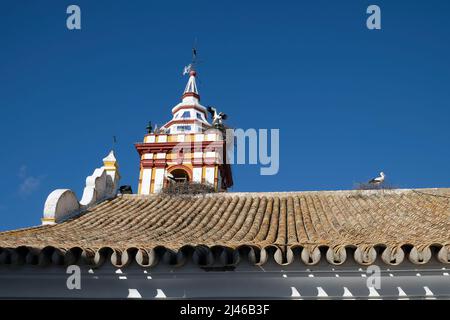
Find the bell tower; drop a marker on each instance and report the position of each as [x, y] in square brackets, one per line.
[187, 148]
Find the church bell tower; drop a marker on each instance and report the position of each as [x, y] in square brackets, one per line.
[187, 148]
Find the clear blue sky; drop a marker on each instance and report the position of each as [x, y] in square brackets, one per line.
[348, 101]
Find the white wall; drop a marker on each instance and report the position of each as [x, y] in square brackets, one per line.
[209, 175]
[197, 175]
[159, 179]
[146, 179]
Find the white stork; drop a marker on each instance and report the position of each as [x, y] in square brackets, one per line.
[378, 180]
[217, 116]
[170, 177]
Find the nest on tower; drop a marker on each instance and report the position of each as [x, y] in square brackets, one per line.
[187, 189]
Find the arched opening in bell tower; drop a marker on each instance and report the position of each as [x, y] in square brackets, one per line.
[180, 175]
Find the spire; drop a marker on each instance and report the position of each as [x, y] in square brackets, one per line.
[111, 167]
[110, 159]
[191, 87]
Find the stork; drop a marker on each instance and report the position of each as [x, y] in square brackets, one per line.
[378, 180]
[170, 177]
[218, 117]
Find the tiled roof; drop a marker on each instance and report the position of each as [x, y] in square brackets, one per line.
[222, 229]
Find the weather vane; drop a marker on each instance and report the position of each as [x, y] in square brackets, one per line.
[191, 66]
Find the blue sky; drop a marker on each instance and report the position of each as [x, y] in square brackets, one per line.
[348, 101]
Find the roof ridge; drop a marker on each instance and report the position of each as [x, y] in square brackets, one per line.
[283, 193]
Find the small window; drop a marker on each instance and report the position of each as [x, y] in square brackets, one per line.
[186, 115]
[199, 116]
[184, 128]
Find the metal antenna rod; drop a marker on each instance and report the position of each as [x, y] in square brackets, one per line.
[194, 52]
[114, 143]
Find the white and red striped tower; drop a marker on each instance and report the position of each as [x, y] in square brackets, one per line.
[186, 148]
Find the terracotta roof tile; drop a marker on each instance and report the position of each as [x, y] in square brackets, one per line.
[391, 224]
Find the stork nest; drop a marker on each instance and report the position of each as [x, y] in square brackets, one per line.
[187, 189]
[372, 186]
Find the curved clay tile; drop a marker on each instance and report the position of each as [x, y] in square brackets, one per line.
[386, 226]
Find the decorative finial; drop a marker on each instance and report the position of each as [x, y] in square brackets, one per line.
[110, 158]
[149, 127]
